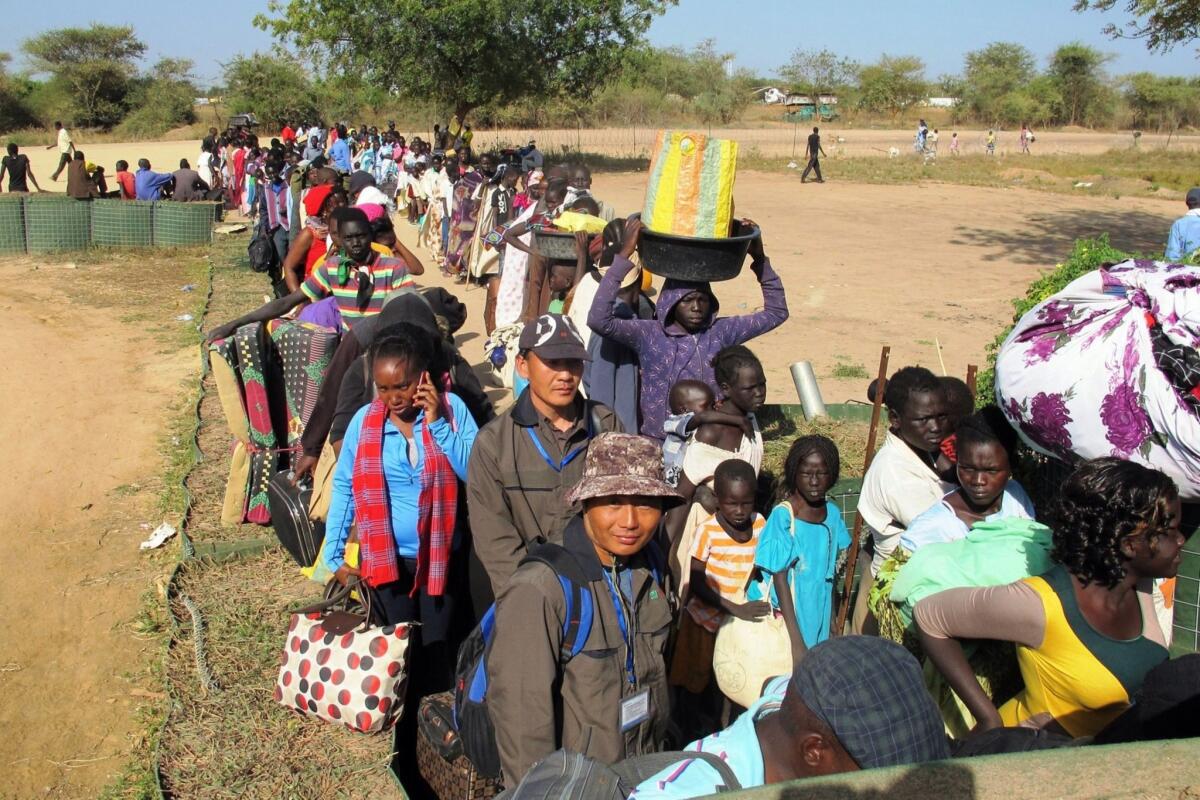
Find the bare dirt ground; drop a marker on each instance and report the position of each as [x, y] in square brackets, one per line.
[85, 403]
[85, 396]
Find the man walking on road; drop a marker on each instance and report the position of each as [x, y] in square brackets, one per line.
[65, 148]
[811, 151]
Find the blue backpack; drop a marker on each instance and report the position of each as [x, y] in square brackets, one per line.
[475, 728]
[471, 718]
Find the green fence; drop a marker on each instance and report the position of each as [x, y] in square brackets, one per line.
[53, 223]
[12, 225]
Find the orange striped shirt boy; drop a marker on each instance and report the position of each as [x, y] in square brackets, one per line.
[727, 566]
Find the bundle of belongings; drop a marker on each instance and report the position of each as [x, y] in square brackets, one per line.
[1109, 367]
[268, 376]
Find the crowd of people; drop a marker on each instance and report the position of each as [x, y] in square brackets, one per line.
[628, 470]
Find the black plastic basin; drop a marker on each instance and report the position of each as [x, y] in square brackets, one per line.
[556, 245]
[689, 258]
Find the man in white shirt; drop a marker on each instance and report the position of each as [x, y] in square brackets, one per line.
[66, 148]
[902, 482]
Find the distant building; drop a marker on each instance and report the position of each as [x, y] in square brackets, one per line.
[771, 96]
[941, 102]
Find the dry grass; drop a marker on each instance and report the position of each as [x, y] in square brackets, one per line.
[783, 426]
[237, 742]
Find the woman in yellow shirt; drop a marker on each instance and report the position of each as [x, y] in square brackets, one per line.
[1086, 632]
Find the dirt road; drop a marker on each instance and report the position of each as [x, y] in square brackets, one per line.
[85, 397]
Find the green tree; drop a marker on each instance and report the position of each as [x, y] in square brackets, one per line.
[465, 53]
[892, 84]
[14, 98]
[162, 99]
[275, 88]
[1077, 72]
[991, 73]
[1162, 23]
[95, 65]
[817, 72]
[1162, 102]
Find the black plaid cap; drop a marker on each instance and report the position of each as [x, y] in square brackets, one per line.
[871, 694]
[553, 336]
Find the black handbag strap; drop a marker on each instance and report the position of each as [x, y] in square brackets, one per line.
[337, 598]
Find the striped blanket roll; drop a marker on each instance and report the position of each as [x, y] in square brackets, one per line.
[690, 189]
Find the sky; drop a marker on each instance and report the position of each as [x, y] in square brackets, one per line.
[762, 38]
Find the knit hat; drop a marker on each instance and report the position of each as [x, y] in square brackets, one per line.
[373, 210]
[316, 198]
[623, 464]
[871, 694]
[360, 180]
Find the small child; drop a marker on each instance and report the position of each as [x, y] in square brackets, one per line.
[954, 144]
[800, 543]
[691, 403]
[991, 143]
[722, 560]
[125, 180]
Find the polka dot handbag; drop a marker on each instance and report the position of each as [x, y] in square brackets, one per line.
[337, 666]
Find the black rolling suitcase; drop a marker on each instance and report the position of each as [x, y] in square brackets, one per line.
[298, 534]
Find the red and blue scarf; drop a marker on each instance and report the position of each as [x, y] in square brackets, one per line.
[437, 508]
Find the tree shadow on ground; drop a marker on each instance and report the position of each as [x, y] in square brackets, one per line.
[1047, 236]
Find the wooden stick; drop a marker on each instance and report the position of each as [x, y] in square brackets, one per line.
[972, 375]
[852, 559]
[941, 361]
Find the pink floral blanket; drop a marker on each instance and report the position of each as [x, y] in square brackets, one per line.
[1077, 376]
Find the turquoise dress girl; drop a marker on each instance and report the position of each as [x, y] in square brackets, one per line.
[799, 547]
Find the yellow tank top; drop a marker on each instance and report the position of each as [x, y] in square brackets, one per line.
[1078, 676]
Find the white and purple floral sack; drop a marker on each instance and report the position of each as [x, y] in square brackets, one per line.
[1077, 376]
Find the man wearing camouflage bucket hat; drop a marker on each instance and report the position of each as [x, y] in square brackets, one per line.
[610, 701]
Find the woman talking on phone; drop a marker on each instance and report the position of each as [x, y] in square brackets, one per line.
[397, 478]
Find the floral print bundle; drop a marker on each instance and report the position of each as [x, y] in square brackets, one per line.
[1078, 376]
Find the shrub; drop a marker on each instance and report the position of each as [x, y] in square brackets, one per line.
[1086, 256]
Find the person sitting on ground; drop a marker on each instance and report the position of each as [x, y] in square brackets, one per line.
[79, 182]
[527, 458]
[986, 489]
[20, 173]
[1184, 238]
[720, 561]
[686, 333]
[359, 280]
[1086, 631]
[126, 181]
[854, 702]
[149, 184]
[609, 702]
[800, 544]
[903, 481]
[691, 402]
[189, 185]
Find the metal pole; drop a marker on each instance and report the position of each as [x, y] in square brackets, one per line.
[852, 559]
[807, 389]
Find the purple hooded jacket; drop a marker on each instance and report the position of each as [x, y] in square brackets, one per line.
[667, 352]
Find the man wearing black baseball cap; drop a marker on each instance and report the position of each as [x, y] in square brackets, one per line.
[526, 459]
